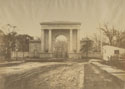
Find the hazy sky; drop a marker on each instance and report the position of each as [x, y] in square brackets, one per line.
[27, 14]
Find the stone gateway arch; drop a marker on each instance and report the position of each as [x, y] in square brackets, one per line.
[49, 32]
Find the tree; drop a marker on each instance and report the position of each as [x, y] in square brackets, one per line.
[87, 45]
[9, 43]
[115, 36]
[97, 43]
[120, 39]
[23, 42]
[1, 43]
[13, 41]
[110, 33]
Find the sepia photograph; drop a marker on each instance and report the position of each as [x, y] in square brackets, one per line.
[62, 44]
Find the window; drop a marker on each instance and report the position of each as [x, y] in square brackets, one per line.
[116, 51]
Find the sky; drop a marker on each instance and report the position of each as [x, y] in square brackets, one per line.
[28, 14]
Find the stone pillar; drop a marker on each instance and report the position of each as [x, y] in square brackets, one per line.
[50, 40]
[42, 40]
[78, 41]
[70, 40]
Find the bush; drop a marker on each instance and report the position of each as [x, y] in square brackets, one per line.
[114, 60]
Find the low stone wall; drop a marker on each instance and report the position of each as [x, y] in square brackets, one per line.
[92, 55]
[46, 55]
[74, 55]
[19, 54]
[11, 63]
[118, 75]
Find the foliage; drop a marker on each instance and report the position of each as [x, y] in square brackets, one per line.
[23, 42]
[86, 46]
[97, 43]
[1, 43]
[120, 39]
[9, 43]
[14, 42]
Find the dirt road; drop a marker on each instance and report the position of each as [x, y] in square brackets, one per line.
[69, 75]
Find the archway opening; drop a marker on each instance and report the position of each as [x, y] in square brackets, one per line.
[61, 47]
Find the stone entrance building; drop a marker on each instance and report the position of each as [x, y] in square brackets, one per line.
[51, 30]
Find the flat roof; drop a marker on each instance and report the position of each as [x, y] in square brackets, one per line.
[113, 47]
[60, 23]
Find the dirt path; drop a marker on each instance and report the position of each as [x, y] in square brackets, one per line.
[66, 77]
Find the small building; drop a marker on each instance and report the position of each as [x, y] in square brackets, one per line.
[111, 51]
[34, 48]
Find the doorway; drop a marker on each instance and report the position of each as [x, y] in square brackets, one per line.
[61, 47]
